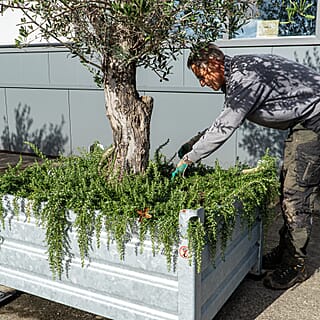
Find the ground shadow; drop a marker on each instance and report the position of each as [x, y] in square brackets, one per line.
[49, 138]
[27, 306]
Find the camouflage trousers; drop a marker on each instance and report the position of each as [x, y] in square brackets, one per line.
[300, 180]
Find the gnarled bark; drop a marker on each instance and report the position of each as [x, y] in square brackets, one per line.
[130, 117]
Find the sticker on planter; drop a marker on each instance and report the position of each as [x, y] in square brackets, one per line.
[184, 252]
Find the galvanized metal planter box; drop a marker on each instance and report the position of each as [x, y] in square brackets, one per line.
[138, 288]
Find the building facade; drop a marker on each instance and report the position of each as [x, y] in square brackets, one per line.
[49, 98]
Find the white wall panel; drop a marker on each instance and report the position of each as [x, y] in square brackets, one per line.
[3, 116]
[149, 80]
[66, 71]
[180, 116]
[247, 50]
[24, 69]
[88, 119]
[306, 55]
[181, 106]
[47, 107]
[11, 69]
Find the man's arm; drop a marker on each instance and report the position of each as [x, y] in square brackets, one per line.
[220, 131]
[242, 97]
[187, 147]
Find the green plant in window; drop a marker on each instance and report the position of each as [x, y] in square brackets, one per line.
[298, 8]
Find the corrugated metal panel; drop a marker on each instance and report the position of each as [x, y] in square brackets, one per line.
[139, 288]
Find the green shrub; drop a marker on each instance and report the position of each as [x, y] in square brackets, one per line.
[150, 201]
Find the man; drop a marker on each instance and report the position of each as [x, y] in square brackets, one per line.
[277, 93]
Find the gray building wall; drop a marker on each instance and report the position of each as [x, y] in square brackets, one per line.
[50, 98]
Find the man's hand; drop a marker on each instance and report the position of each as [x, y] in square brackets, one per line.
[185, 148]
[181, 168]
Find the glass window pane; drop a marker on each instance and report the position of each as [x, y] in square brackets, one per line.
[280, 18]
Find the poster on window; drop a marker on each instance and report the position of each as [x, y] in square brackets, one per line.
[267, 28]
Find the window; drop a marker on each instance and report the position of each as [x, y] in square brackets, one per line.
[281, 18]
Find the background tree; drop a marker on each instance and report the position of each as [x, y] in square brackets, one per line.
[114, 37]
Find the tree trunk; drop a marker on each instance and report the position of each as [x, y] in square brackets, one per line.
[130, 117]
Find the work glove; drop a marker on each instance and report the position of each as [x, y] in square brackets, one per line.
[187, 147]
[260, 166]
[180, 169]
[184, 149]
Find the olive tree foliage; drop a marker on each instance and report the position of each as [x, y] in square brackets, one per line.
[114, 37]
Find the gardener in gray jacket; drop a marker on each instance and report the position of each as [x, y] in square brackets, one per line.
[277, 93]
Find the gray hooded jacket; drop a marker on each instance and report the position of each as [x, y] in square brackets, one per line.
[266, 89]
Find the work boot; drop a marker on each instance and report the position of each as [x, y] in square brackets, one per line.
[286, 276]
[273, 259]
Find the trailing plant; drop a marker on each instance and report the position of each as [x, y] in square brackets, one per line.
[70, 193]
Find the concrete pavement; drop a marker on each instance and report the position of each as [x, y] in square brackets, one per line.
[253, 301]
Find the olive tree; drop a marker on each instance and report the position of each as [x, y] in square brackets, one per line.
[114, 37]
